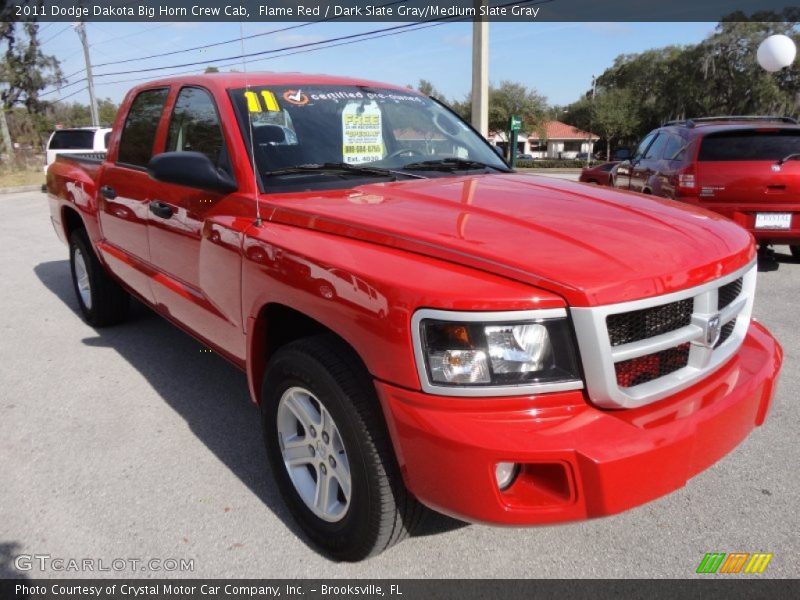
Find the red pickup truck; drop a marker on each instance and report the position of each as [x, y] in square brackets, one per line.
[419, 324]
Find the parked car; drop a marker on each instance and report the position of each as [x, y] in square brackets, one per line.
[599, 174]
[76, 141]
[419, 328]
[745, 168]
[583, 156]
[524, 156]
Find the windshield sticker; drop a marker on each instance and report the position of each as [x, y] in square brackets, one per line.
[296, 97]
[362, 138]
[270, 102]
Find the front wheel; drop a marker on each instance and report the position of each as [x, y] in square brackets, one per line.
[101, 300]
[795, 252]
[330, 452]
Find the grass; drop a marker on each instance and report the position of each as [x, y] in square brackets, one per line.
[21, 177]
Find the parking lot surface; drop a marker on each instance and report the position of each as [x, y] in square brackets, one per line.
[132, 442]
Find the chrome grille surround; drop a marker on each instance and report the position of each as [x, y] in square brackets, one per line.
[598, 356]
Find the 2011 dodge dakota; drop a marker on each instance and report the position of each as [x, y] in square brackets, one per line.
[420, 325]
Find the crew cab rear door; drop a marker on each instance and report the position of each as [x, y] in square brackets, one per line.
[743, 167]
[124, 192]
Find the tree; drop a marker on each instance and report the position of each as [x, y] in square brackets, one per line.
[24, 71]
[426, 87]
[211, 69]
[614, 116]
[512, 98]
[718, 76]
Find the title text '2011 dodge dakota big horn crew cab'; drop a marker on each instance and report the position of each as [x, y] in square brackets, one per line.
[419, 324]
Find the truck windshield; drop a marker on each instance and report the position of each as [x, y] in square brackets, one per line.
[302, 134]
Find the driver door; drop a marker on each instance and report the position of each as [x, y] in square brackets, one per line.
[195, 238]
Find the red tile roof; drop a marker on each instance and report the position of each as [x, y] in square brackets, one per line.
[556, 130]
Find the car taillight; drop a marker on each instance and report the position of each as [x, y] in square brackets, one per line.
[686, 180]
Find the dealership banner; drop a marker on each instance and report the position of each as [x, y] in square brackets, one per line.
[414, 11]
[397, 589]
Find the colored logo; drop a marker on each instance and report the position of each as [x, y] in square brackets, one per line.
[735, 562]
[296, 97]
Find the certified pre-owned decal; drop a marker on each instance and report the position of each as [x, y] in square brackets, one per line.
[296, 97]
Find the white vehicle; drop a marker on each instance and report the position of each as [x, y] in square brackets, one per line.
[75, 141]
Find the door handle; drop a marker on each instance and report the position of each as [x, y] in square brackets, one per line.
[108, 192]
[161, 209]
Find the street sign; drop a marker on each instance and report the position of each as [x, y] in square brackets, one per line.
[514, 123]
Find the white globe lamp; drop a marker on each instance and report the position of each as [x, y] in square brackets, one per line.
[776, 52]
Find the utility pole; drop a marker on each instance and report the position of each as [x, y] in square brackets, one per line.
[480, 72]
[80, 27]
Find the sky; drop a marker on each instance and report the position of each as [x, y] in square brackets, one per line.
[556, 59]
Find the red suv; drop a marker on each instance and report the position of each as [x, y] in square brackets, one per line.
[745, 168]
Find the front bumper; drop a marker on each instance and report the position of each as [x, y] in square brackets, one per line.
[577, 461]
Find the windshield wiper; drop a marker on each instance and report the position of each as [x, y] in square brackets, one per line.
[452, 164]
[789, 157]
[342, 166]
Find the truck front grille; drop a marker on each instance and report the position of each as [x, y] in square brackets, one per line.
[729, 292]
[637, 371]
[637, 352]
[624, 328]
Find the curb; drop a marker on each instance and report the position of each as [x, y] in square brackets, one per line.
[21, 188]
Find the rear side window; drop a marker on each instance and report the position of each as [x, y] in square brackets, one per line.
[750, 145]
[72, 139]
[673, 147]
[195, 126]
[106, 139]
[139, 132]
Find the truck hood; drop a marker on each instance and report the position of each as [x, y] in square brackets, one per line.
[592, 245]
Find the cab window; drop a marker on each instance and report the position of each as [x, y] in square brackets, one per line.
[141, 125]
[195, 127]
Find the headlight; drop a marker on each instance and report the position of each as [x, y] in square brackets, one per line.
[498, 353]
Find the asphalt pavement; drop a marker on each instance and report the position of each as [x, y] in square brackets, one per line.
[132, 443]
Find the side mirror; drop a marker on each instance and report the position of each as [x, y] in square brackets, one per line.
[192, 169]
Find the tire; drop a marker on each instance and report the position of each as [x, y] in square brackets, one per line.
[795, 252]
[323, 377]
[101, 299]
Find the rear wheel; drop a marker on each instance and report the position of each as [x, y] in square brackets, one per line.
[101, 300]
[330, 452]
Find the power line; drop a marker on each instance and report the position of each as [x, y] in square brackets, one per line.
[238, 57]
[148, 77]
[52, 37]
[231, 41]
[83, 89]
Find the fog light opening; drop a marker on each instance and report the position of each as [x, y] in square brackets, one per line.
[505, 473]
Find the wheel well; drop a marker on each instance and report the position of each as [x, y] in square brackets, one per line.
[278, 325]
[71, 221]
